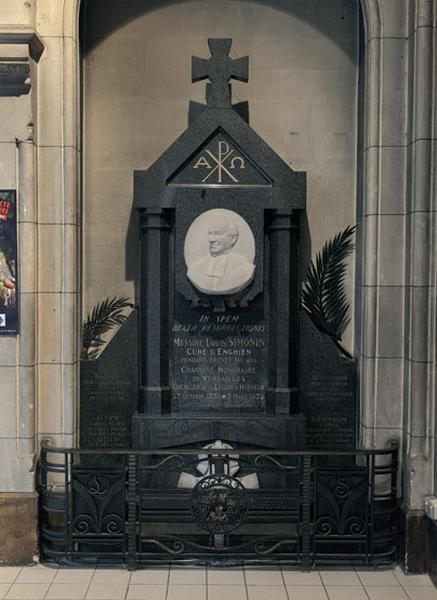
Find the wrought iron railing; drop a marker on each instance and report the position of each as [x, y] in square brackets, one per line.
[218, 506]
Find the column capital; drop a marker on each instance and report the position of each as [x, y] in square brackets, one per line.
[154, 218]
[17, 48]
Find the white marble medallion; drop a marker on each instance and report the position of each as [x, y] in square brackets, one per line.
[219, 252]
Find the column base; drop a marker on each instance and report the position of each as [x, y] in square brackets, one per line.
[18, 528]
[414, 538]
[432, 566]
[167, 431]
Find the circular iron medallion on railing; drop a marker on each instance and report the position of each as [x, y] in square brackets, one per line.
[219, 503]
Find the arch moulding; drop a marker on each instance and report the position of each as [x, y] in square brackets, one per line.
[61, 78]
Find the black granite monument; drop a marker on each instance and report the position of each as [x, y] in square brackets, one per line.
[219, 216]
[220, 350]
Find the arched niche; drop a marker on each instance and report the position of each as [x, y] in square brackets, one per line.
[61, 125]
[396, 145]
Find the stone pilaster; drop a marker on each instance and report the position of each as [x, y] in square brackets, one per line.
[381, 221]
[19, 51]
[420, 324]
[397, 285]
[57, 135]
[420, 296]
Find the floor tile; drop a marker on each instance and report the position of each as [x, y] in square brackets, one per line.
[27, 591]
[35, 576]
[263, 576]
[230, 592]
[307, 592]
[411, 580]
[339, 577]
[186, 592]
[266, 592]
[422, 593]
[8, 574]
[4, 587]
[50, 568]
[150, 576]
[106, 591]
[346, 592]
[111, 576]
[146, 592]
[264, 583]
[180, 576]
[386, 592]
[73, 576]
[376, 577]
[67, 591]
[298, 578]
[225, 577]
[42, 566]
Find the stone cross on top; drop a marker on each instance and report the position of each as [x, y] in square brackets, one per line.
[219, 69]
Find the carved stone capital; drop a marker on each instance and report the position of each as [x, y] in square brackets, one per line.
[154, 218]
[17, 49]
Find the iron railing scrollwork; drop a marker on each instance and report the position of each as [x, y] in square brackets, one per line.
[138, 506]
[219, 503]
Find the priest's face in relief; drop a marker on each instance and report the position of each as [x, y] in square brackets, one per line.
[224, 270]
[222, 237]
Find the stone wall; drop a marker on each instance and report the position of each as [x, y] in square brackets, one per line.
[20, 50]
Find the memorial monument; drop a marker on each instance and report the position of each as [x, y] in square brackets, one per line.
[219, 214]
[224, 352]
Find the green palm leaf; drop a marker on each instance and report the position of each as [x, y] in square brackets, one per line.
[103, 317]
[323, 295]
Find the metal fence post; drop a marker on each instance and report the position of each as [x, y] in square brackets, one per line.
[306, 510]
[132, 526]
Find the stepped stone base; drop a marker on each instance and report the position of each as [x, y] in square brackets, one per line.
[162, 431]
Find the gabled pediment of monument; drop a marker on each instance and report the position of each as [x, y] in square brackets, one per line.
[191, 161]
[219, 149]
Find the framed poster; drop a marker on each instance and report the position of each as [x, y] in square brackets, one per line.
[8, 263]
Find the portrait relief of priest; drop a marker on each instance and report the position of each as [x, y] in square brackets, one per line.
[219, 252]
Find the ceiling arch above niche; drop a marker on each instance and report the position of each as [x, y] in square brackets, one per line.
[133, 9]
[68, 12]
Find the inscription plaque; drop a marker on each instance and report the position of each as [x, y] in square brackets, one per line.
[328, 391]
[219, 360]
[109, 391]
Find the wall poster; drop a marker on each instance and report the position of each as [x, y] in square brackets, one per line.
[8, 263]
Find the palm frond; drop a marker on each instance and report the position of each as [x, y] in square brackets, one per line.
[103, 317]
[323, 295]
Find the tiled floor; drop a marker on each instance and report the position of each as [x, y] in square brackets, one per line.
[181, 583]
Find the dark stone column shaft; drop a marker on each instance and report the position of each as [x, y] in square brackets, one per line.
[282, 232]
[155, 311]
